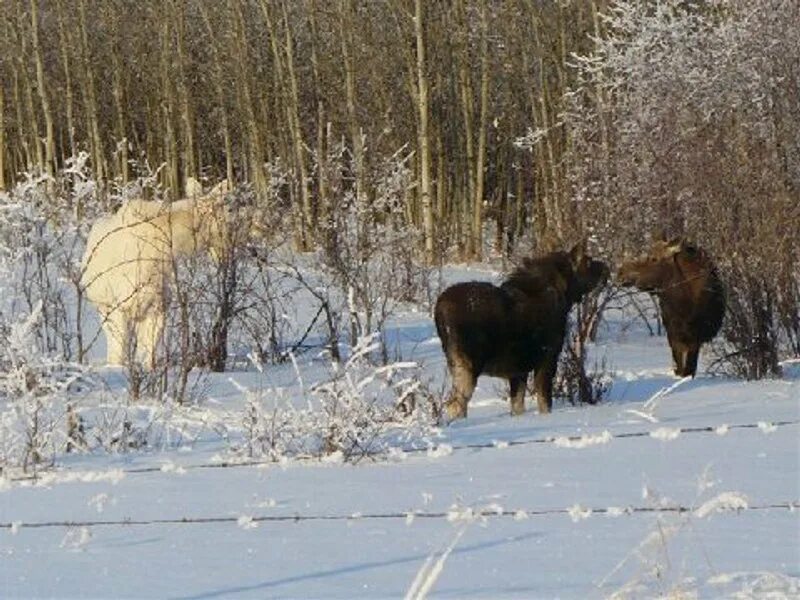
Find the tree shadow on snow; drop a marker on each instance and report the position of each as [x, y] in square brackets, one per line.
[367, 566]
[626, 390]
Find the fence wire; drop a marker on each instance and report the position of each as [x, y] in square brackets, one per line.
[408, 516]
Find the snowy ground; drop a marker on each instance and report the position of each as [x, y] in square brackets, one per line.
[695, 493]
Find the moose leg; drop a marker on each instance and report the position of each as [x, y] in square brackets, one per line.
[517, 392]
[463, 386]
[690, 356]
[677, 360]
[148, 335]
[685, 358]
[115, 326]
[543, 382]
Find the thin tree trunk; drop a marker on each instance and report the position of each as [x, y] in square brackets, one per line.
[297, 131]
[286, 83]
[218, 88]
[601, 94]
[49, 146]
[424, 141]
[254, 148]
[28, 90]
[2, 140]
[441, 187]
[468, 244]
[171, 176]
[27, 158]
[187, 117]
[119, 105]
[90, 99]
[519, 210]
[477, 215]
[65, 42]
[347, 21]
[323, 130]
[547, 224]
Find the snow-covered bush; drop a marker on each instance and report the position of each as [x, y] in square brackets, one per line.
[119, 427]
[369, 248]
[685, 120]
[42, 241]
[359, 411]
[40, 247]
[365, 409]
[37, 417]
[234, 296]
[272, 427]
[574, 382]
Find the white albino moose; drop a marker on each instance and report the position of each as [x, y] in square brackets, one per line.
[129, 260]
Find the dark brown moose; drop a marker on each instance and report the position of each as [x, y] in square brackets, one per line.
[511, 330]
[689, 292]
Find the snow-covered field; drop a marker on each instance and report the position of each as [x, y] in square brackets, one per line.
[692, 492]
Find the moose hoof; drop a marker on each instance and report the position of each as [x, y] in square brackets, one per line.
[517, 409]
[684, 373]
[456, 410]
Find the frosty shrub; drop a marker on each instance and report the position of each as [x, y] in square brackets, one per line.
[359, 411]
[272, 427]
[364, 409]
[369, 247]
[207, 293]
[147, 425]
[574, 382]
[49, 407]
[750, 346]
[37, 418]
[328, 318]
[684, 119]
[233, 295]
[42, 235]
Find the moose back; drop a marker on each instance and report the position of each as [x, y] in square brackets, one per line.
[515, 328]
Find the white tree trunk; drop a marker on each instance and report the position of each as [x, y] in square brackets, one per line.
[424, 142]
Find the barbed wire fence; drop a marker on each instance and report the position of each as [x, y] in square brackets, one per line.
[458, 514]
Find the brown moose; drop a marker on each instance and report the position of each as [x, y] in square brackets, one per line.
[689, 292]
[511, 330]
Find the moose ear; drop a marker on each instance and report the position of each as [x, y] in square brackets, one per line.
[674, 246]
[193, 187]
[578, 251]
[221, 189]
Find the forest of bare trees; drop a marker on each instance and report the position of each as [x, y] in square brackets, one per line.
[220, 88]
[519, 124]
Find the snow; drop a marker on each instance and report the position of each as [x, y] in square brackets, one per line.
[584, 441]
[578, 513]
[440, 451]
[665, 433]
[724, 501]
[691, 493]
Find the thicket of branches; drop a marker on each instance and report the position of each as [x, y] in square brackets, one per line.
[686, 120]
[549, 120]
[222, 88]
